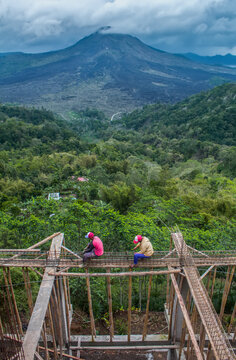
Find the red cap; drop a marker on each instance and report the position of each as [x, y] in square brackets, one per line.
[90, 235]
[137, 239]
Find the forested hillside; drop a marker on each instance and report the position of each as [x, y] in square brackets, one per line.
[155, 168]
[171, 163]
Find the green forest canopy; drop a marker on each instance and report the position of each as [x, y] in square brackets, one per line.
[153, 169]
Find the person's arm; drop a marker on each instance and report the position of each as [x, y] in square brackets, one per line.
[138, 245]
[144, 247]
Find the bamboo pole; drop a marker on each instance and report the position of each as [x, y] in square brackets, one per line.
[92, 322]
[147, 308]
[111, 328]
[129, 306]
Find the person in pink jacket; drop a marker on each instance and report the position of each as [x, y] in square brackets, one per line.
[94, 248]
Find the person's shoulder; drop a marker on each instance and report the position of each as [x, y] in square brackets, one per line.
[96, 238]
[145, 238]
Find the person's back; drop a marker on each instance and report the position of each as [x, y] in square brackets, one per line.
[98, 246]
[146, 247]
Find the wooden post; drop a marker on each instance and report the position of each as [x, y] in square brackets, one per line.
[44, 335]
[92, 322]
[12, 314]
[67, 306]
[129, 306]
[171, 308]
[168, 281]
[182, 341]
[147, 308]
[232, 319]
[213, 283]
[111, 329]
[29, 297]
[14, 303]
[226, 291]
[52, 329]
[57, 299]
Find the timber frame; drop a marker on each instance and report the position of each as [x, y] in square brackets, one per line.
[195, 330]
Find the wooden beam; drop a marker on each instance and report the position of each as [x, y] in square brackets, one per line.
[72, 252]
[111, 274]
[122, 347]
[207, 271]
[186, 317]
[38, 244]
[36, 321]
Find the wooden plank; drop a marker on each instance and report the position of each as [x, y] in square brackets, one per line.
[36, 321]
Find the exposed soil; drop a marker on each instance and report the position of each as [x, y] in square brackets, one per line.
[156, 323]
[122, 355]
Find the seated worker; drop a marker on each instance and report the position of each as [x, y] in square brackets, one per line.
[145, 246]
[94, 248]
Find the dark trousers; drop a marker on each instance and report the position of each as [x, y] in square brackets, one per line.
[88, 255]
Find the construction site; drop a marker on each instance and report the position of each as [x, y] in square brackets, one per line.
[195, 330]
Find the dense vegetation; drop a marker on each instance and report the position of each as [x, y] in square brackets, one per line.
[158, 167]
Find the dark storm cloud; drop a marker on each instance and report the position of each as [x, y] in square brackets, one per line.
[201, 26]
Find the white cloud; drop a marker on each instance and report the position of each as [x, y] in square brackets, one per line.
[57, 23]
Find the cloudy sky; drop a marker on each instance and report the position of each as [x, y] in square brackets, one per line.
[206, 27]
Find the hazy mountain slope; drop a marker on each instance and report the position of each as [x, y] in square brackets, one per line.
[111, 72]
[222, 60]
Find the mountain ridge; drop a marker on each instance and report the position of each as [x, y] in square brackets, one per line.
[111, 72]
